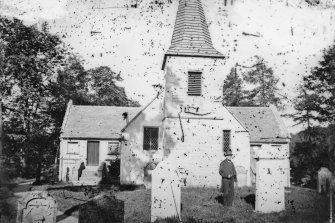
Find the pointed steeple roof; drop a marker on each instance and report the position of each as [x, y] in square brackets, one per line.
[191, 35]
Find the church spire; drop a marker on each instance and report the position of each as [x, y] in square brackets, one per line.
[191, 35]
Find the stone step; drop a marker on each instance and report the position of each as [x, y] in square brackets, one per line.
[89, 179]
[90, 173]
[84, 183]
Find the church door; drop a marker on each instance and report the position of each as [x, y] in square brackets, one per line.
[92, 153]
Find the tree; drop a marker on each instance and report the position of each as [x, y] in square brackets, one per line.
[321, 82]
[70, 84]
[97, 86]
[233, 93]
[38, 78]
[305, 105]
[309, 152]
[31, 57]
[103, 89]
[2, 49]
[265, 90]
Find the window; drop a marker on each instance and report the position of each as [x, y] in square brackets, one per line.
[226, 141]
[194, 84]
[113, 148]
[150, 138]
[73, 147]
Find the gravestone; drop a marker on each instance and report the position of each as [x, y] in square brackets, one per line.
[102, 209]
[324, 179]
[165, 191]
[270, 179]
[241, 176]
[37, 207]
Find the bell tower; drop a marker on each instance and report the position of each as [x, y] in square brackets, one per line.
[191, 63]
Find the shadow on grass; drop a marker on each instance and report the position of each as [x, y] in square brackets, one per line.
[250, 199]
[220, 199]
[192, 220]
[131, 187]
[67, 213]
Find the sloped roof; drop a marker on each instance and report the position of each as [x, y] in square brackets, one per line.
[262, 123]
[95, 121]
[191, 35]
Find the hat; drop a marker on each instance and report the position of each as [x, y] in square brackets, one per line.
[228, 153]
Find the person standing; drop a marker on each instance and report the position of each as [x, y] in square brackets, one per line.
[228, 174]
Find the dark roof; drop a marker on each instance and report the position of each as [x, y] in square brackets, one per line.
[191, 35]
[96, 121]
[262, 123]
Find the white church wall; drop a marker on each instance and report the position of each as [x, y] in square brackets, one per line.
[213, 71]
[133, 157]
[198, 157]
[202, 151]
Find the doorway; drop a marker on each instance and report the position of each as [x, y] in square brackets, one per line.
[93, 153]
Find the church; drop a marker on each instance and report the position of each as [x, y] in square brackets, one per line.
[186, 122]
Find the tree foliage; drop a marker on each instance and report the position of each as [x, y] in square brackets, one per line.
[30, 59]
[39, 76]
[260, 81]
[103, 89]
[305, 109]
[233, 93]
[309, 151]
[321, 82]
[264, 90]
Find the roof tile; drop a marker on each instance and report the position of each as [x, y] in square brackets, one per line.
[96, 121]
[191, 35]
[261, 123]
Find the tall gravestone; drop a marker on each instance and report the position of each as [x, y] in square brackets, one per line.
[165, 191]
[270, 179]
[324, 180]
[37, 207]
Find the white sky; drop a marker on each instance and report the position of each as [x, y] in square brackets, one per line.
[133, 40]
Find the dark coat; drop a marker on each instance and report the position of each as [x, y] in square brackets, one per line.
[228, 173]
[227, 169]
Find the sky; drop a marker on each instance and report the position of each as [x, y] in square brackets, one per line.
[290, 35]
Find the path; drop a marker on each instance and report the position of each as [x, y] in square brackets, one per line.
[63, 218]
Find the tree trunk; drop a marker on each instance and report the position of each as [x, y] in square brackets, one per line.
[1, 137]
[38, 172]
[308, 126]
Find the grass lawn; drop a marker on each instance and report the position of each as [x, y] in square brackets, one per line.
[203, 205]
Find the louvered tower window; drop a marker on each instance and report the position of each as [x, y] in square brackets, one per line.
[226, 141]
[194, 84]
[150, 139]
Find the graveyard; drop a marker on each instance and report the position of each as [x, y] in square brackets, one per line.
[197, 205]
[216, 106]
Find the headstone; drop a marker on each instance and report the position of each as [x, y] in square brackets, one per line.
[37, 207]
[165, 191]
[324, 179]
[270, 179]
[241, 176]
[102, 209]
